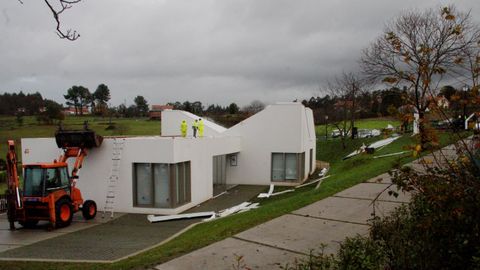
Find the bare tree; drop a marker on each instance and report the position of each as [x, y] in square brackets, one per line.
[57, 7]
[470, 70]
[254, 107]
[417, 50]
[346, 88]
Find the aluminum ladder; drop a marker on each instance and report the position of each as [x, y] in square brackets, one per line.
[118, 145]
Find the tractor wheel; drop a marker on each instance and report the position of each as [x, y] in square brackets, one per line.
[89, 209]
[29, 223]
[64, 213]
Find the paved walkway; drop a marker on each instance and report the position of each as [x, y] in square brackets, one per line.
[23, 237]
[292, 236]
[105, 240]
[281, 240]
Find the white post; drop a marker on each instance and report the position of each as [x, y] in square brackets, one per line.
[468, 119]
[416, 117]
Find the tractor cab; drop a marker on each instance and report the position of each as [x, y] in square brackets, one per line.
[39, 180]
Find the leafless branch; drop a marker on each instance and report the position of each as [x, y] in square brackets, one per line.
[64, 5]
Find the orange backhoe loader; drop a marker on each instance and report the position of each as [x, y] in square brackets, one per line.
[49, 189]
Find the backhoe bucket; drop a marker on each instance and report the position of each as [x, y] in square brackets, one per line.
[77, 138]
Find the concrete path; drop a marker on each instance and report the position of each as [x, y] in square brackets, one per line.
[23, 237]
[105, 240]
[294, 235]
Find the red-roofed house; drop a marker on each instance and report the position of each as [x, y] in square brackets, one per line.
[156, 111]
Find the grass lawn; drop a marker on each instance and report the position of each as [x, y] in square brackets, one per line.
[371, 123]
[344, 174]
[10, 129]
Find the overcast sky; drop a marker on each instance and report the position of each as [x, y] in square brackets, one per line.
[212, 51]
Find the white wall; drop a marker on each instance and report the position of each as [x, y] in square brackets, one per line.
[311, 141]
[283, 127]
[97, 166]
[172, 119]
[286, 127]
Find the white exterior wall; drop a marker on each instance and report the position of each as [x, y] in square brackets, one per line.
[311, 141]
[172, 119]
[97, 165]
[280, 128]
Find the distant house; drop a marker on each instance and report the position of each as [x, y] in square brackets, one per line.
[156, 111]
[442, 102]
[71, 110]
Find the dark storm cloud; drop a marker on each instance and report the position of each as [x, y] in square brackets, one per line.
[212, 51]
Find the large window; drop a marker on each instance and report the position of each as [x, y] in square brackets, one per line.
[161, 185]
[288, 167]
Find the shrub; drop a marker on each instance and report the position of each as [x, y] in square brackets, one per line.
[3, 164]
[317, 261]
[358, 253]
[440, 228]
[3, 176]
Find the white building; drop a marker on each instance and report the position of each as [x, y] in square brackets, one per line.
[168, 174]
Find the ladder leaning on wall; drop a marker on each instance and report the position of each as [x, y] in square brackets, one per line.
[118, 145]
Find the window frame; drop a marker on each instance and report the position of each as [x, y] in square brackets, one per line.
[176, 185]
[300, 163]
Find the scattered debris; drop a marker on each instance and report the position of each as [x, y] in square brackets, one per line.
[356, 152]
[383, 142]
[245, 206]
[313, 182]
[153, 218]
[376, 132]
[367, 133]
[266, 195]
[320, 182]
[391, 154]
[270, 192]
[234, 209]
[282, 192]
[323, 172]
[375, 145]
[251, 206]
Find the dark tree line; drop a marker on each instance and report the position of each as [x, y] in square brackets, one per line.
[198, 108]
[27, 104]
[377, 103]
[22, 104]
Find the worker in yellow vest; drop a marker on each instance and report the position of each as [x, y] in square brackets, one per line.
[195, 128]
[200, 128]
[183, 128]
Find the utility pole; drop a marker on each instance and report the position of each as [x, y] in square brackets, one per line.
[326, 125]
[465, 90]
